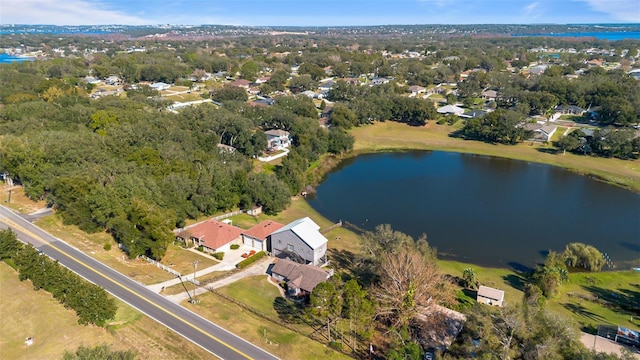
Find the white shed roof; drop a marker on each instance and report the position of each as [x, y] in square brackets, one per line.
[491, 293]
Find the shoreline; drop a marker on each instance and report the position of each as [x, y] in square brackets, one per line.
[389, 137]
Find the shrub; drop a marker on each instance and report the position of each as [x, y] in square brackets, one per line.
[107, 246]
[441, 121]
[336, 345]
[218, 255]
[235, 246]
[201, 248]
[250, 260]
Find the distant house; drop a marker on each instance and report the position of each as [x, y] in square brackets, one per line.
[489, 94]
[112, 80]
[256, 237]
[300, 241]
[160, 86]
[541, 132]
[91, 80]
[470, 114]
[538, 70]
[212, 235]
[263, 79]
[450, 109]
[379, 81]
[326, 112]
[327, 85]
[277, 139]
[241, 83]
[570, 109]
[263, 102]
[301, 279]
[490, 296]
[416, 89]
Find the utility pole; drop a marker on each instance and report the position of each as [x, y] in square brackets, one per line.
[9, 197]
[195, 287]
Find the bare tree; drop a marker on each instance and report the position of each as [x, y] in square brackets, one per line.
[408, 282]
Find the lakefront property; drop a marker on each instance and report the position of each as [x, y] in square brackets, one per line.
[397, 192]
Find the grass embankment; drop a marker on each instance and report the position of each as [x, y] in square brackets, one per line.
[18, 201]
[56, 329]
[392, 136]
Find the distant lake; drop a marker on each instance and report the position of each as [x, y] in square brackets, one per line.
[6, 58]
[483, 210]
[612, 36]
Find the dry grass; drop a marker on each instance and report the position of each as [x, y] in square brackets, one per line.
[19, 201]
[56, 329]
[390, 136]
[182, 260]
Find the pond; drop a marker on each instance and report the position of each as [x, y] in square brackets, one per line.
[483, 210]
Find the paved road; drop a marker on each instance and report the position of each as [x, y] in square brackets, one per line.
[200, 331]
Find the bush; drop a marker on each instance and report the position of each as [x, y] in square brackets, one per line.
[107, 246]
[336, 345]
[441, 121]
[250, 260]
[201, 248]
[218, 255]
[235, 246]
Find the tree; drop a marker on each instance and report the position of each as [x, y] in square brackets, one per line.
[470, 278]
[579, 255]
[409, 284]
[340, 141]
[302, 83]
[102, 120]
[358, 309]
[230, 93]
[343, 117]
[569, 142]
[325, 302]
[249, 70]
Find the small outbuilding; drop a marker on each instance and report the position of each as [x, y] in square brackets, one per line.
[490, 296]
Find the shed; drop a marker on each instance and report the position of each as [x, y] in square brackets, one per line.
[490, 296]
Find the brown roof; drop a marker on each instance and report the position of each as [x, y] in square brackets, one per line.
[240, 82]
[304, 277]
[262, 230]
[213, 234]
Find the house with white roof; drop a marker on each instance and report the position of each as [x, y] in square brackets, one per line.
[450, 109]
[299, 241]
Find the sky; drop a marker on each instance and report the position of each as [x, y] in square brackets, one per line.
[317, 12]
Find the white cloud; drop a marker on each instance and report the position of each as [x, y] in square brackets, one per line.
[529, 9]
[621, 10]
[63, 12]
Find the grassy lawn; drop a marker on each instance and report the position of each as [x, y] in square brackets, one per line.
[256, 292]
[389, 136]
[56, 329]
[182, 260]
[271, 337]
[601, 298]
[559, 133]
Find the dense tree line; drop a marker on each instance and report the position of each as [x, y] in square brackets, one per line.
[91, 303]
[126, 166]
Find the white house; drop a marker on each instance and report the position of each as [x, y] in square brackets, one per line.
[300, 241]
[490, 296]
[277, 139]
[160, 86]
[450, 109]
